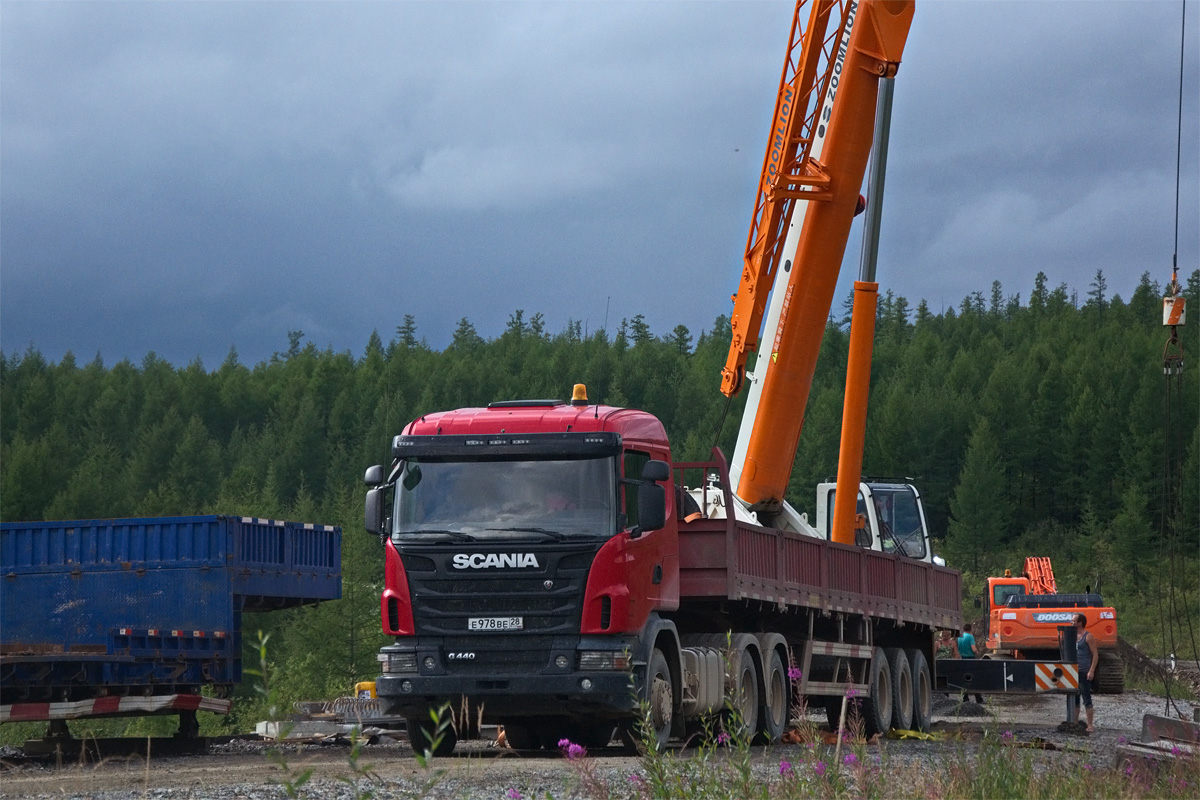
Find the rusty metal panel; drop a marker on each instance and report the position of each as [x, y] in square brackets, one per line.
[880, 576]
[756, 554]
[802, 561]
[845, 570]
[913, 583]
[703, 565]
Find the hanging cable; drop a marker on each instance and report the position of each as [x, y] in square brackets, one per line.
[1174, 616]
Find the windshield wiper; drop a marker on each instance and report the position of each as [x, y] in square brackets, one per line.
[555, 535]
[457, 535]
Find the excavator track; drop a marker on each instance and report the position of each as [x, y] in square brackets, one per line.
[1110, 673]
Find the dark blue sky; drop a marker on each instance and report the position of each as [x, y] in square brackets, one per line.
[186, 177]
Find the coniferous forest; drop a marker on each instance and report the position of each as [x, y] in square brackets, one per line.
[1032, 427]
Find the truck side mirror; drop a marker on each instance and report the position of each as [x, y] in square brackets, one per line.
[652, 506]
[374, 511]
[656, 471]
[374, 475]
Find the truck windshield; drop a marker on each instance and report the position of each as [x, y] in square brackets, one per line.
[498, 499]
[900, 520]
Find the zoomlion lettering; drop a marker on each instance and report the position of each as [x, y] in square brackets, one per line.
[827, 109]
[777, 140]
[495, 561]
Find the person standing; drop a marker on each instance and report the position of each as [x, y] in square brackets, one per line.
[1087, 656]
[967, 648]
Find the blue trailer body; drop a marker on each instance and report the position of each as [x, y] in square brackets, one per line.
[147, 605]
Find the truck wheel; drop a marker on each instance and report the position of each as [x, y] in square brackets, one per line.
[1110, 673]
[902, 689]
[422, 734]
[660, 696]
[774, 711]
[745, 692]
[877, 707]
[922, 716]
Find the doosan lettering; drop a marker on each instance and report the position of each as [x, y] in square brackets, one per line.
[496, 560]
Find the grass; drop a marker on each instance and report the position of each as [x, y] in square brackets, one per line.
[724, 765]
[1173, 687]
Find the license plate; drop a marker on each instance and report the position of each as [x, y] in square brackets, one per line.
[495, 623]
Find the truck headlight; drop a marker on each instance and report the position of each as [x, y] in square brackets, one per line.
[398, 662]
[590, 660]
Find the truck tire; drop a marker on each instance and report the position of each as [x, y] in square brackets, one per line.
[1110, 673]
[922, 717]
[421, 735]
[877, 706]
[902, 689]
[660, 697]
[777, 703]
[745, 692]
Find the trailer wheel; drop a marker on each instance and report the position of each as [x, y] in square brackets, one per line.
[877, 707]
[660, 697]
[902, 689]
[745, 692]
[423, 735]
[922, 716]
[774, 711]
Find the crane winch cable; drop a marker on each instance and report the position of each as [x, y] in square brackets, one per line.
[1172, 616]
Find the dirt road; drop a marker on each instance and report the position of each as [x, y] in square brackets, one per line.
[242, 769]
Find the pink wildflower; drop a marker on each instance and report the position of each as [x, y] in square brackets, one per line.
[785, 768]
[850, 759]
[794, 673]
[819, 768]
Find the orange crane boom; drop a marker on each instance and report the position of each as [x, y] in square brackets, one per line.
[865, 47]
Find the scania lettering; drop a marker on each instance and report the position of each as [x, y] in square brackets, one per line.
[495, 561]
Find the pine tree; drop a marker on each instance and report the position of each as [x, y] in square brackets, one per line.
[979, 509]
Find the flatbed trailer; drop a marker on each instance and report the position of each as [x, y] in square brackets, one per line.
[118, 617]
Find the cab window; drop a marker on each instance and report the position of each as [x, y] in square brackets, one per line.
[1002, 592]
[632, 472]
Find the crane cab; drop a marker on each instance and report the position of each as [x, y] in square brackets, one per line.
[891, 518]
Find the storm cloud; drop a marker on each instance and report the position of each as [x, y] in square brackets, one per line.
[189, 177]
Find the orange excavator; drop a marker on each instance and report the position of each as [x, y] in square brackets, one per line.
[1023, 614]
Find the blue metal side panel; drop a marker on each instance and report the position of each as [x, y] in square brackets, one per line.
[114, 544]
[81, 612]
[286, 563]
[150, 602]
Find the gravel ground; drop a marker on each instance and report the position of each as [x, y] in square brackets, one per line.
[240, 769]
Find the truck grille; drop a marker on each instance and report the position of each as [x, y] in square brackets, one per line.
[500, 654]
[444, 598]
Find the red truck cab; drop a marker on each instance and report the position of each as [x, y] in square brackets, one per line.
[529, 546]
